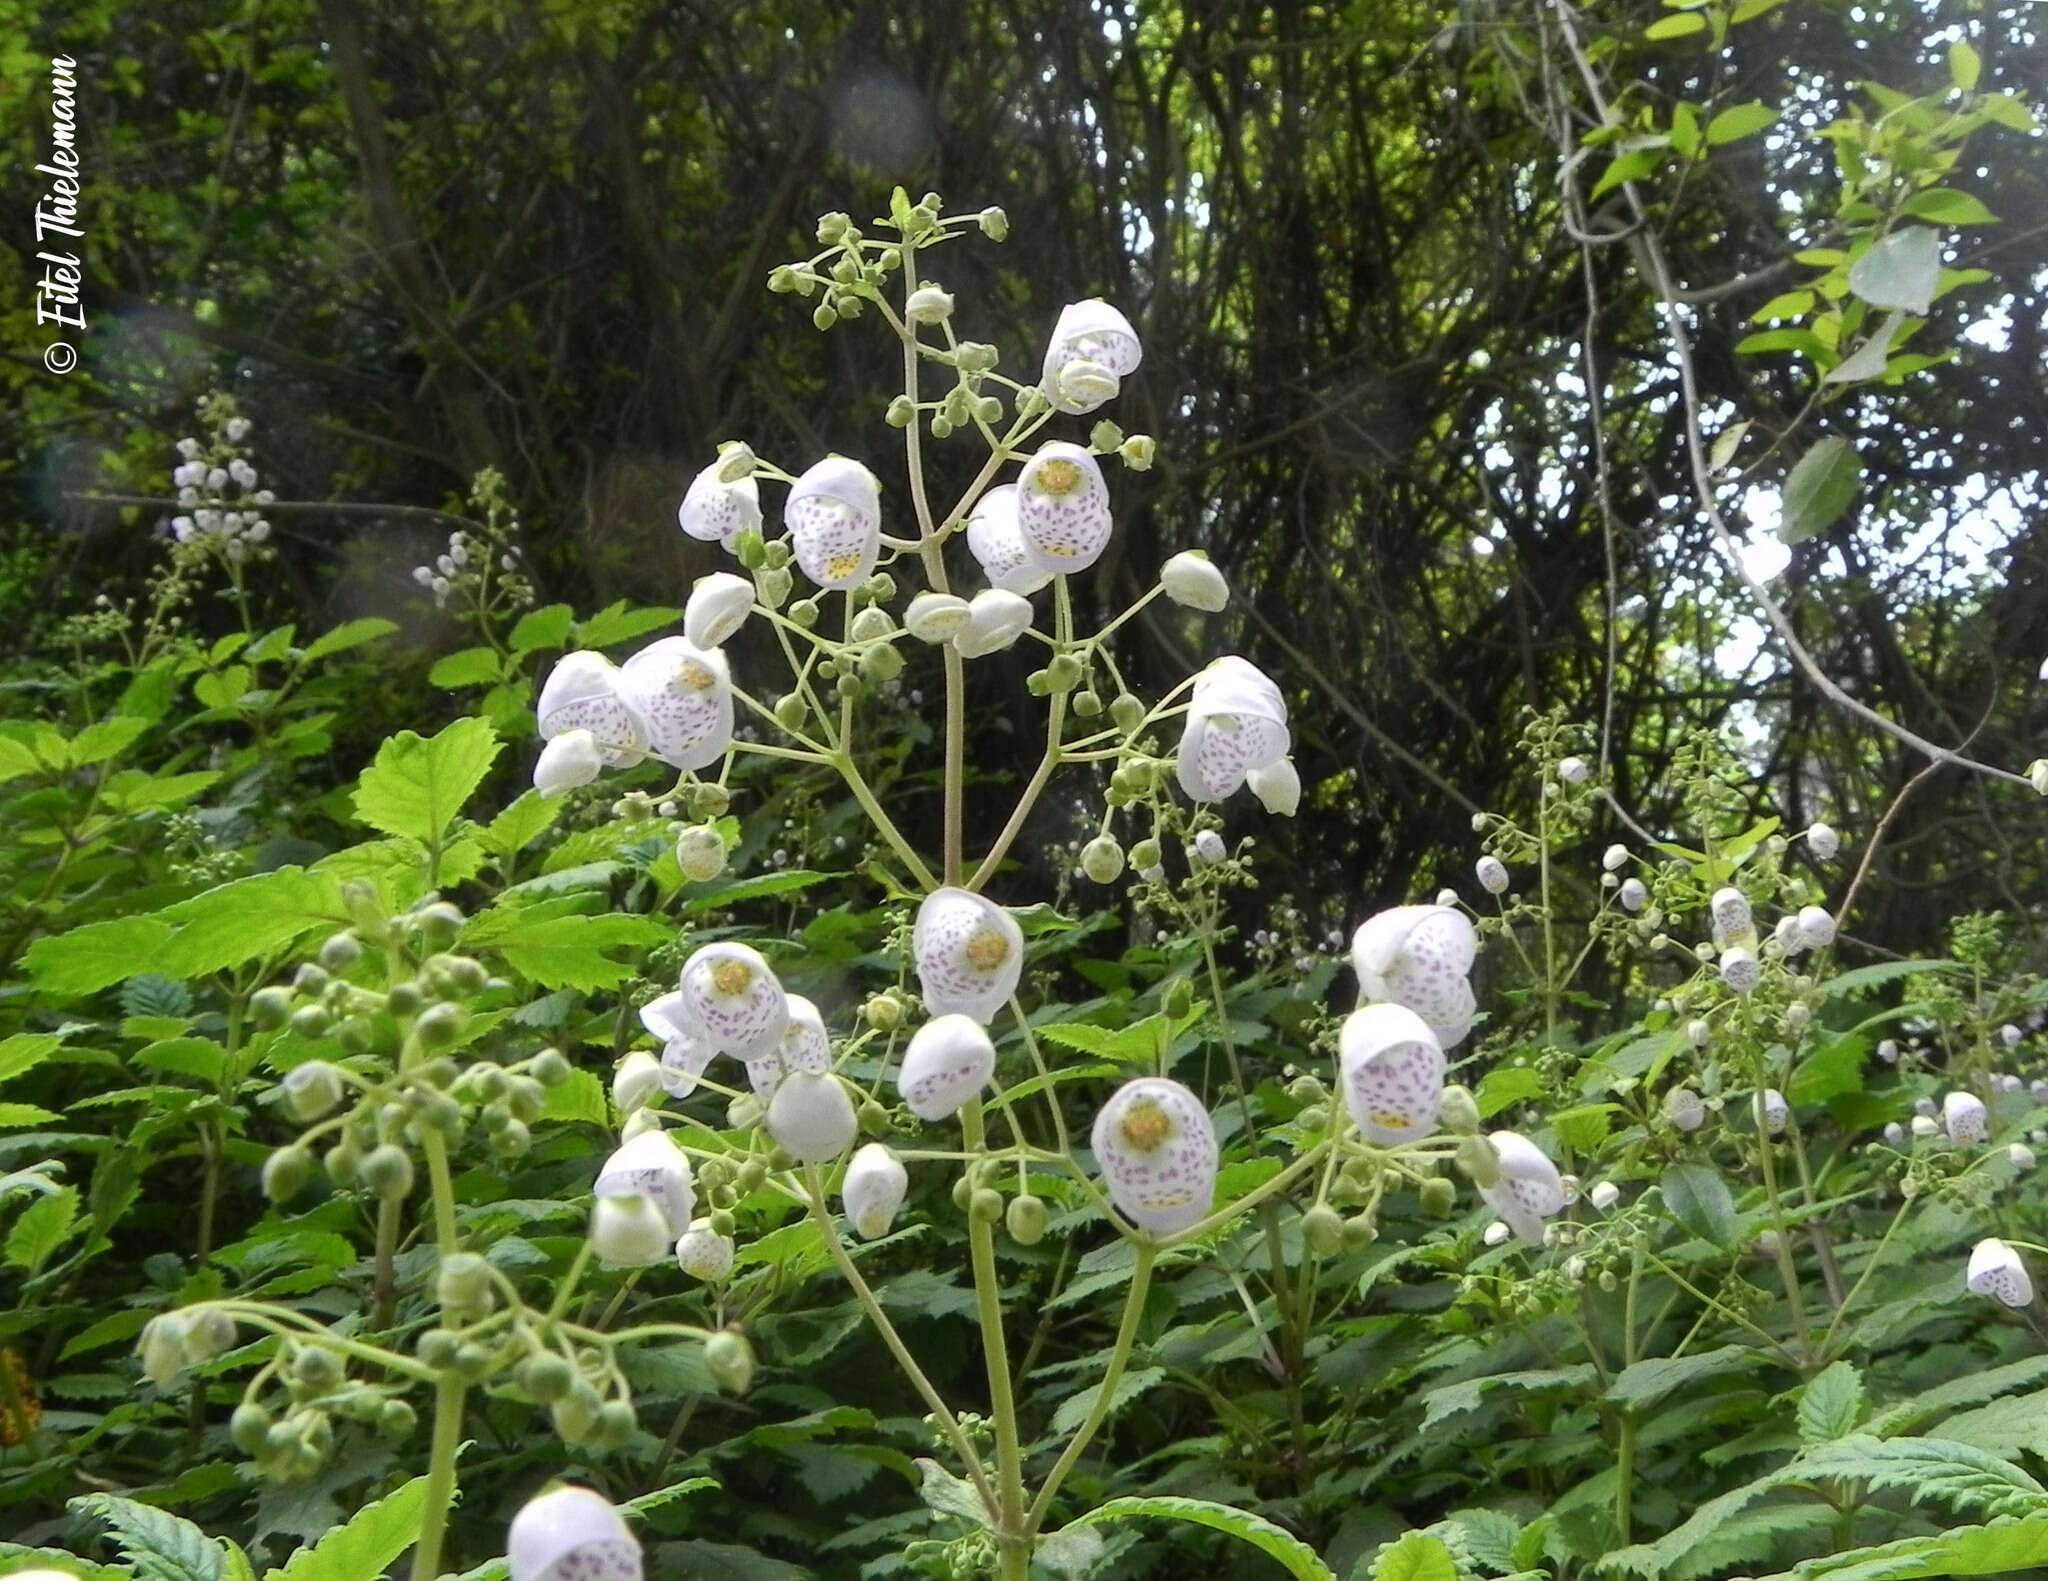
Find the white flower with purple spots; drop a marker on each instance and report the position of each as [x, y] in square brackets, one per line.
[583, 692]
[1529, 1189]
[1996, 1271]
[969, 953]
[834, 517]
[681, 695]
[949, 1061]
[685, 1050]
[1393, 1070]
[571, 1534]
[1156, 1148]
[719, 512]
[1236, 723]
[1063, 508]
[731, 995]
[997, 543]
[652, 1166]
[1092, 350]
[1419, 956]
[873, 1190]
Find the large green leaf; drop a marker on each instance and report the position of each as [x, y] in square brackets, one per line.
[1819, 489]
[1903, 270]
[365, 1546]
[1290, 1552]
[93, 957]
[1698, 1198]
[419, 783]
[161, 1546]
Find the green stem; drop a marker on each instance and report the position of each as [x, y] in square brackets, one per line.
[988, 1301]
[449, 1393]
[384, 1309]
[1120, 1353]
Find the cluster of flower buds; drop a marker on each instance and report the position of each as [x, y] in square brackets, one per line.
[219, 502]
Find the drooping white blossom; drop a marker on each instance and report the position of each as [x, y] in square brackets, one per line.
[1419, 956]
[949, 1060]
[686, 1049]
[997, 543]
[1236, 722]
[834, 516]
[1739, 969]
[717, 512]
[1996, 1271]
[1634, 894]
[702, 1253]
[1773, 1110]
[1817, 926]
[1823, 842]
[811, 1117]
[805, 1044]
[1277, 786]
[571, 1534]
[717, 607]
[1604, 1196]
[630, 1232]
[1063, 510]
[573, 759]
[652, 1166]
[936, 617]
[1093, 348]
[583, 692]
[732, 996]
[969, 953]
[682, 696]
[873, 1190]
[1731, 915]
[1684, 1109]
[1529, 1189]
[1963, 1117]
[1156, 1148]
[637, 1080]
[1191, 579]
[1492, 874]
[1393, 1072]
[995, 619]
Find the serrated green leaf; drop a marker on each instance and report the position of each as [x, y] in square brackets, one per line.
[44, 1225]
[616, 623]
[520, 824]
[199, 1057]
[1698, 1198]
[546, 627]
[1416, 1557]
[419, 784]
[374, 1536]
[1963, 1551]
[1831, 1404]
[739, 889]
[568, 952]
[1645, 1382]
[24, 1051]
[1075, 1409]
[245, 919]
[948, 1494]
[161, 1546]
[1282, 1546]
[469, 667]
[349, 634]
[13, 1114]
[93, 957]
[98, 742]
[1819, 489]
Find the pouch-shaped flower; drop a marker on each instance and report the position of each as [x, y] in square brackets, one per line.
[969, 953]
[834, 517]
[949, 1060]
[731, 994]
[572, 1534]
[682, 696]
[1156, 1148]
[1529, 1189]
[1393, 1070]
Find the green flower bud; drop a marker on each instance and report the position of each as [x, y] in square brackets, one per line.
[311, 1021]
[730, 1360]
[975, 357]
[440, 923]
[879, 588]
[458, 974]
[1086, 704]
[823, 316]
[472, 1361]
[1026, 1220]
[270, 1008]
[963, 1193]
[440, 1025]
[343, 1164]
[316, 1369]
[462, 1285]
[1126, 712]
[340, 952]
[1102, 859]
[902, 412]
[403, 1000]
[1178, 998]
[804, 612]
[1104, 437]
[436, 1348]
[994, 223]
[511, 1140]
[1064, 673]
[753, 1176]
[528, 1098]
[874, 1119]
[1437, 1196]
[1457, 1111]
[309, 979]
[881, 664]
[748, 548]
[575, 1414]
[986, 1204]
[1145, 854]
[942, 426]
[1360, 1232]
[285, 1173]
[721, 1220]
[387, 1171]
[249, 1428]
[772, 585]
[1138, 452]
[616, 1423]
[775, 554]
[833, 228]
[311, 1088]
[1315, 1117]
[1323, 1230]
[744, 1113]
[396, 1420]
[546, 1376]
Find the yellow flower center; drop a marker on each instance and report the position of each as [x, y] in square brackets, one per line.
[694, 676]
[841, 565]
[1388, 1119]
[1058, 478]
[987, 949]
[731, 978]
[1145, 1126]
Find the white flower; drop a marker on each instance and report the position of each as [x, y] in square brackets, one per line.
[573, 758]
[1573, 771]
[995, 619]
[1634, 894]
[1605, 1195]
[717, 607]
[719, 512]
[582, 693]
[729, 994]
[242, 473]
[1888, 1050]
[834, 517]
[237, 430]
[1817, 926]
[630, 1232]
[1529, 1189]
[1156, 1148]
[969, 953]
[949, 1060]
[702, 1253]
[1683, 1108]
[1492, 874]
[2020, 1156]
[686, 1050]
[1496, 1234]
[571, 1534]
[1823, 842]
[189, 475]
[1393, 1070]
[1996, 1270]
[1063, 508]
[936, 617]
[1278, 787]
[1093, 332]
[873, 1190]
[998, 544]
[805, 1045]
[1894, 1132]
[636, 1081]
[1419, 956]
[2008, 1034]
[1209, 847]
[1962, 1114]
[217, 479]
[1236, 722]
[1774, 1110]
[811, 1117]
[652, 1166]
[1788, 937]
[1925, 1125]
[927, 305]
[1731, 915]
[1191, 578]
[1614, 858]
[1925, 1106]
[681, 695]
[1739, 970]
[189, 449]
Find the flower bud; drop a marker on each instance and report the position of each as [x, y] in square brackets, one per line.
[1739, 970]
[1492, 874]
[2020, 1156]
[162, 1348]
[730, 1360]
[1817, 926]
[1277, 786]
[927, 305]
[811, 1117]
[1191, 579]
[462, 1286]
[1323, 1230]
[1823, 842]
[937, 617]
[1437, 1196]
[1026, 1219]
[1102, 859]
[949, 1060]
[996, 618]
[311, 1088]
[703, 1253]
[1496, 1234]
[1457, 1111]
[2037, 776]
[1604, 1196]
[1614, 858]
[1573, 771]
[1209, 847]
[1633, 894]
[994, 223]
[636, 1082]
[387, 1171]
[1683, 1108]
